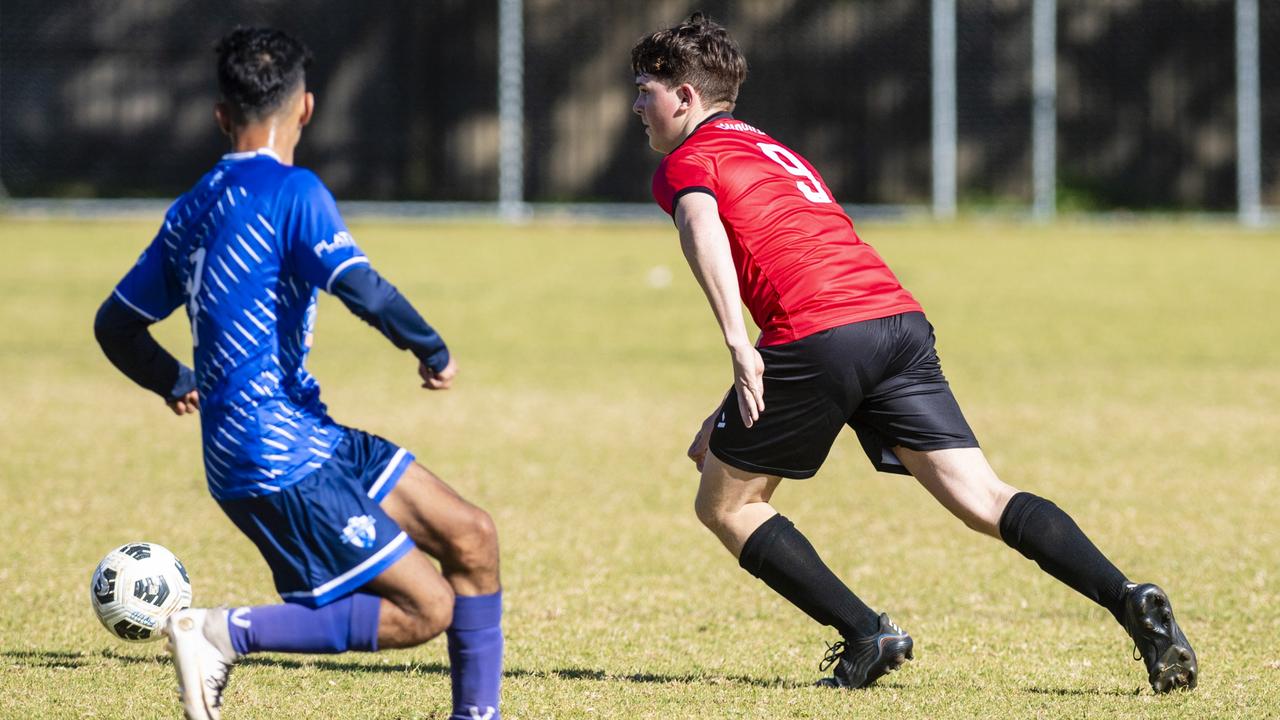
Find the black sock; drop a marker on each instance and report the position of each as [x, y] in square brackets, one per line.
[780, 556]
[1042, 532]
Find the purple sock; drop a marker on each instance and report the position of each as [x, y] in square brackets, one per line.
[475, 656]
[347, 624]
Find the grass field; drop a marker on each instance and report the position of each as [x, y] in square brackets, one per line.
[1129, 372]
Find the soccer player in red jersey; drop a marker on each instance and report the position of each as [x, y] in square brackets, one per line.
[842, 343]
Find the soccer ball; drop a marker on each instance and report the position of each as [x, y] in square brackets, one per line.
[136, 588]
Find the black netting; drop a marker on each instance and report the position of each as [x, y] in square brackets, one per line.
[1146, 103]
[112, 99]
[1269, 52]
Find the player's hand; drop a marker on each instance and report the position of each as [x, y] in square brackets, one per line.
[748, 380]
[433, 380]
[698, 448]
[185, 405]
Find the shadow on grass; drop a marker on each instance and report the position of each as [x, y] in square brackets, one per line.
[1084, 692]
[67, 659]
[573, 673]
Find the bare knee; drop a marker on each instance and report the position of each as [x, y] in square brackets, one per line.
[711, 514]
[982, 510]
[472, 547]
[428, 615]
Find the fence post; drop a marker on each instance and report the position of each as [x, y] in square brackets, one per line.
[1248, 133]
[511, 205]
[944, 108]
[1044, 109]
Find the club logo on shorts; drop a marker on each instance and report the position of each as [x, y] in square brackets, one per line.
[360, 531]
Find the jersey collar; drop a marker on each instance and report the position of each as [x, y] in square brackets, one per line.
[252, 153]
[710, 118]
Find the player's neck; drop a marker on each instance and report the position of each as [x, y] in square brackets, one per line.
[696, 119]
[265, 136]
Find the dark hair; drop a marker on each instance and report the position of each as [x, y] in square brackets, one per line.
[697, 51]
[258, 69]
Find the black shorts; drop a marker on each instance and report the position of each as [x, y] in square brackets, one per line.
[880, 377]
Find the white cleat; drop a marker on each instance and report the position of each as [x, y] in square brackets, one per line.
[202, 654]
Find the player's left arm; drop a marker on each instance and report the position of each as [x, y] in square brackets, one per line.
[147, 294]
[706, 248]
[125, 338]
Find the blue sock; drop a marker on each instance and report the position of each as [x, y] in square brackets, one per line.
[347, 624]
[475, 656]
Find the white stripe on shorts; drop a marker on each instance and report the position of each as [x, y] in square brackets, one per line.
[386, 473]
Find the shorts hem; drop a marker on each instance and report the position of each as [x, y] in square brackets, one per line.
[938, 445]
[353, 579]
[788, 473]
[390, 475]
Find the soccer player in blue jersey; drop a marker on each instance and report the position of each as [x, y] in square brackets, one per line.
[346, 520]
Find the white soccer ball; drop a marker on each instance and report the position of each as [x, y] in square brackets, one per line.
[136, 588]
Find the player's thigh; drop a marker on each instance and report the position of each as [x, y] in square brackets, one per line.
[964, 483]
[435, 515]
[725, 490]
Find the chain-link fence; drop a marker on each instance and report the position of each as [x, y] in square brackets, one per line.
[113, 99]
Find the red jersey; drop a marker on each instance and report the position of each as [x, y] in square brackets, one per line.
[801, 267]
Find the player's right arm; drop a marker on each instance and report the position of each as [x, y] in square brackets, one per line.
[146, 295]
[371, 298]
[706, 247]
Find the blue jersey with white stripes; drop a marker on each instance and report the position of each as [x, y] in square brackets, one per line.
[246, 251]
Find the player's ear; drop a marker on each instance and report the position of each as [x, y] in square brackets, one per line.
[308, 108]
[688, 96]
[222, 114]
[685, 95]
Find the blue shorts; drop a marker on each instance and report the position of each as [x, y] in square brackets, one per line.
[326, 535]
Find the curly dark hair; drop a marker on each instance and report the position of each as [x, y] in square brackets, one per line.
[698, 51]
[258, 69]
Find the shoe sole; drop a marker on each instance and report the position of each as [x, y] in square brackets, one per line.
[896, 653]
[1177, 668]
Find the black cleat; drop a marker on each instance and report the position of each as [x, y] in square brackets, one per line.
[858, 663]
[1157, 639]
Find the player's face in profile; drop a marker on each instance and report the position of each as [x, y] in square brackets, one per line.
[658, 106]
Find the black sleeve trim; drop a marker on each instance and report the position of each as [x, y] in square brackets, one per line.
[685, 191]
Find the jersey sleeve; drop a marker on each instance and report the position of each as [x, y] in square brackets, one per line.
[680, 175]
[151, 288]
[316, 243]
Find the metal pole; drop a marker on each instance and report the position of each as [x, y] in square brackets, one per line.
[4, 193]
[511, 205]
[1248, 133]
[1044, 89]
[944, 108]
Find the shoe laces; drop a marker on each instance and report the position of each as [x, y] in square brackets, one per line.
[834, 652]
[217, 682]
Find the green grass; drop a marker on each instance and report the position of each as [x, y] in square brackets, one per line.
[1129, 372]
